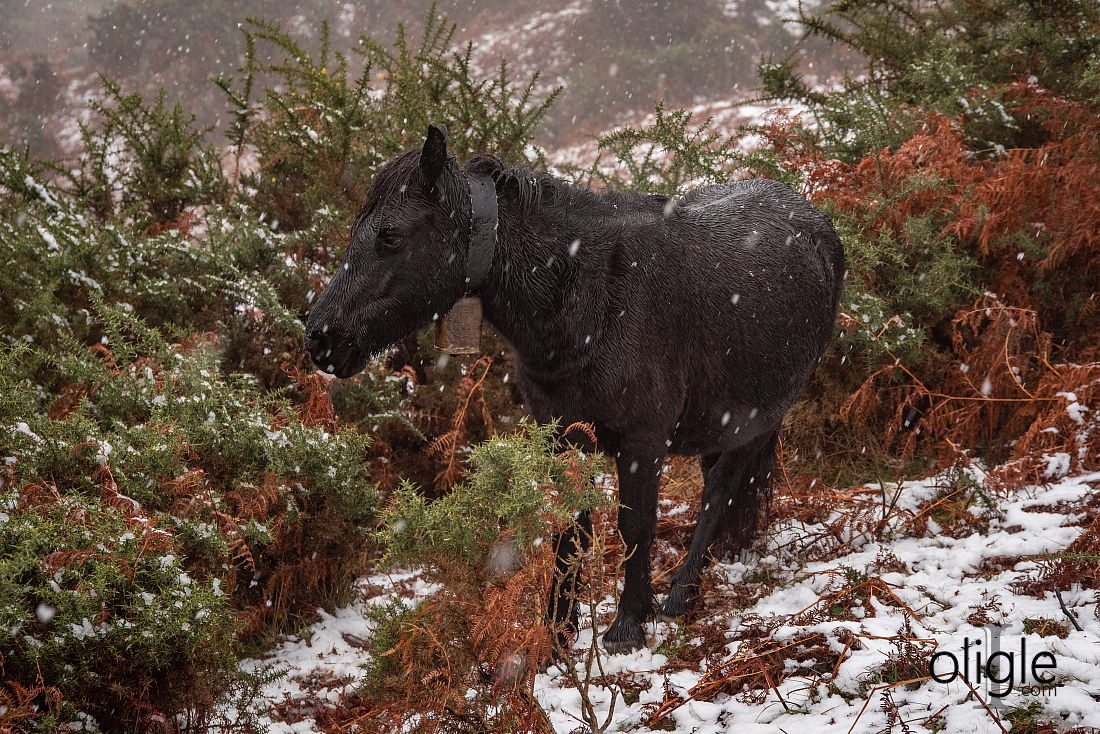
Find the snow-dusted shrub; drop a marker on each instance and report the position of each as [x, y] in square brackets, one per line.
[145, 161]
[952, 58]
[100, 612]
[151, 459]
[517, 483]
[328, 119]
[870, 334]
[57, 259]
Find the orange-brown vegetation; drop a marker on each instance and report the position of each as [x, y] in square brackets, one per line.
[1032, 218]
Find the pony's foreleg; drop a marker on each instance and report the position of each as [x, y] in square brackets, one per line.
[569, 548]
[639, 474]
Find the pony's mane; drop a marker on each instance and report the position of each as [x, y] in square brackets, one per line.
[530, 188]
[526, 187]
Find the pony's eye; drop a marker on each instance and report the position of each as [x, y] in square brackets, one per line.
[389, 240]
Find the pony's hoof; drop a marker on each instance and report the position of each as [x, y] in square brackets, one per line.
[623, 637]
[554, 659]
[619, 647]
[675, 607]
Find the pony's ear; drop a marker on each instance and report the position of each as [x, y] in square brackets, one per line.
[434, 155]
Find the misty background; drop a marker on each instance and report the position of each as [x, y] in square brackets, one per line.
[613, 59]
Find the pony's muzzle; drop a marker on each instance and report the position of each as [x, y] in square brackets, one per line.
[335, 356]
[319, 346]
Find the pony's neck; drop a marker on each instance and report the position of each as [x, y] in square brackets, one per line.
[540, 293]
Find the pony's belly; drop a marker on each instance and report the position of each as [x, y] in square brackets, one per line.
[709, 434]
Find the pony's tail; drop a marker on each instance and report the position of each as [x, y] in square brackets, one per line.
[754, 467]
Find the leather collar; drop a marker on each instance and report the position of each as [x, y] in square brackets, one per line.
[483, 231]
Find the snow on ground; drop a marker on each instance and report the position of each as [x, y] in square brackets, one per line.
[324, 663]
[945, 589]
[519, 42]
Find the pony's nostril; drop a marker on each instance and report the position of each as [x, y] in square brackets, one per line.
[313, 343]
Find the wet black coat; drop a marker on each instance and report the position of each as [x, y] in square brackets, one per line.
[684, 327]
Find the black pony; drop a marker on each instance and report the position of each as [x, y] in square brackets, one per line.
[673, 326]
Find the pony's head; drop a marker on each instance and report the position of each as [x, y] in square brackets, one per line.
[405, 265]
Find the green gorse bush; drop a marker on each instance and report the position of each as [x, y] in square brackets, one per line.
[519, 486]
[174, 486]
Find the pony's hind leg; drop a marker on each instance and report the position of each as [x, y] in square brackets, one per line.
[736, 492]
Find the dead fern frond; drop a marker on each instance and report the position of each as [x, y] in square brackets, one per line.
[1079, 564]
[20, 705]
[447, 446]
[316, 409]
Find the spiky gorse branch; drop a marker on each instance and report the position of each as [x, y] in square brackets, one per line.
[143, 161]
